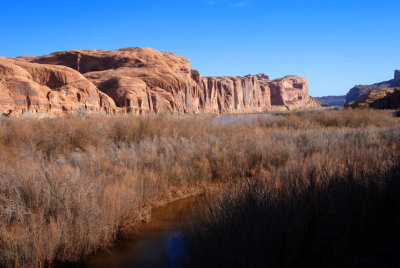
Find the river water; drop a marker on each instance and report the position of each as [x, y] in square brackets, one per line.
[158, 242]
[244, 118]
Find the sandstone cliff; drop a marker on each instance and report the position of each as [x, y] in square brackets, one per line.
[138, 80]
[381, 98]
[290, 92]
[40, 88]
[360, 91]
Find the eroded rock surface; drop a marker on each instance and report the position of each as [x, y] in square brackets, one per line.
[357, 93]
[138, 80]
[41, 88]
[291, 92]
[381, 98]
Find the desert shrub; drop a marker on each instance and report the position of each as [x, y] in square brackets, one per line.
[350, 118]
[331, 209]
[69, 185]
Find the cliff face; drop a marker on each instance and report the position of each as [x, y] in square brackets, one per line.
[357, 92]
[381, 98]
[229, 94]
[383, 95]
[39, 88]
[139, 80]
[290, 92]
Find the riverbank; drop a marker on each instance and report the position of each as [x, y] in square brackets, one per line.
[336, 207]
[134, 220]
[71, 186]
[155, 243]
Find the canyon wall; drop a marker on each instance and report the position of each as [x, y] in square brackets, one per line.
[384, 95]
[137, 80]
[381, 98]
[358, 92]
[40, 88]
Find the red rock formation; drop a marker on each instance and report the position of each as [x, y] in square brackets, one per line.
[138, 79]
[360, 91]
[229, 94]
[143, 80]
[381, 98]
[39, 88]
[291, 92]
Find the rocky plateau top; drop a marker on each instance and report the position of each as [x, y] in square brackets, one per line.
[137, 80]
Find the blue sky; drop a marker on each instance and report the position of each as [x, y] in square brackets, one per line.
[334, 43]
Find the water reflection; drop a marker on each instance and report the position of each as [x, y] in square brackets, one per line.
[158, 243]
[176, 250]
[243, 118]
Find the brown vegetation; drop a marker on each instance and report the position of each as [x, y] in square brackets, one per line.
[68, 184]
[335, 205]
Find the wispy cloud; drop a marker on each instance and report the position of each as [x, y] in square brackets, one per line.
[239, 4]
[211, 2]
[227, 3]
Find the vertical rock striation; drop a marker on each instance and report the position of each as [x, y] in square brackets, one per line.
[47, 89]
[138, 80]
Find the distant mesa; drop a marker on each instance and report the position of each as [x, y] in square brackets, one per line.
[383, 95]
[329, 101]
[139, 81]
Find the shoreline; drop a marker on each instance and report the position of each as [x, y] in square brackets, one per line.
[132, 223]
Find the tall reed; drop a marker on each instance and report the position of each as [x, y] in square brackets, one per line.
[68, 186]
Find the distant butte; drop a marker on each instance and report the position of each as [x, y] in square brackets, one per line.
[139, 81]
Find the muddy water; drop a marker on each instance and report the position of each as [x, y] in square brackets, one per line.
[157, 243]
